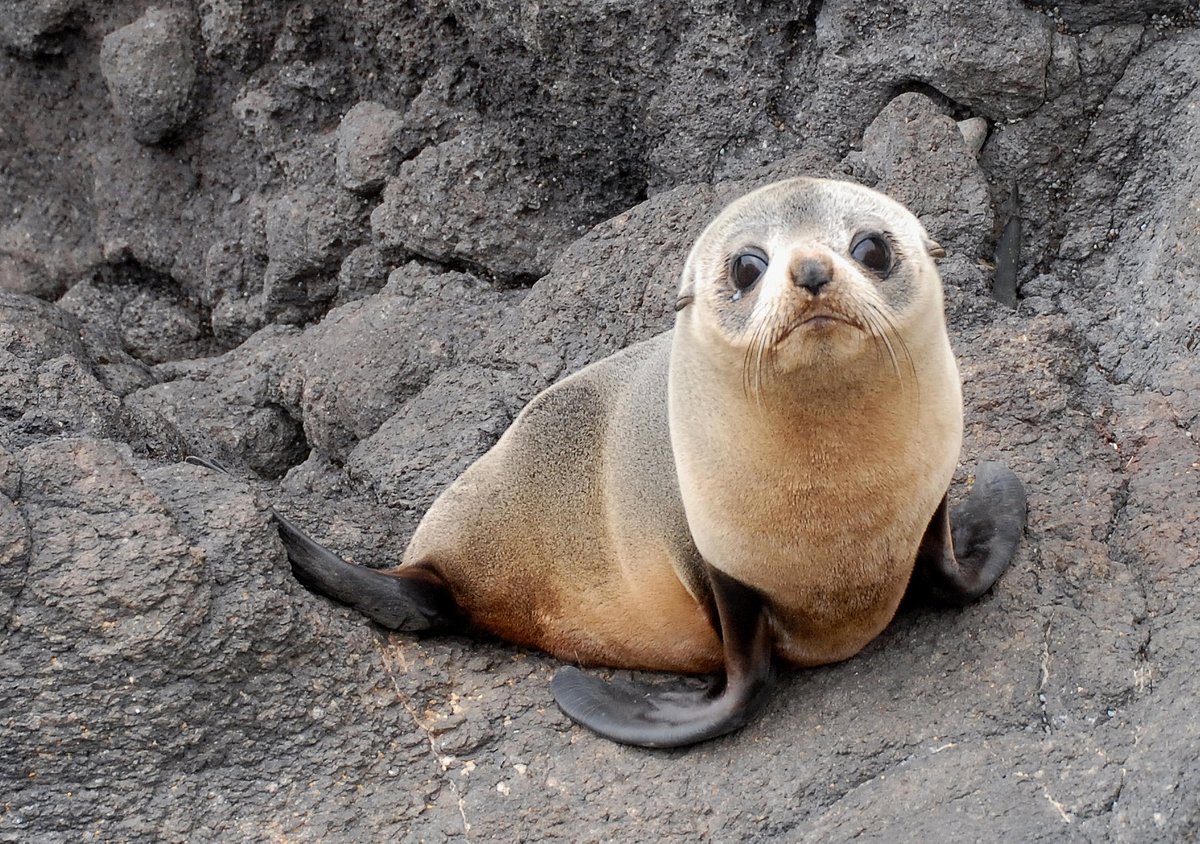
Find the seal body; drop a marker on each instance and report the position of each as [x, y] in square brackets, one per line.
[581, 532]
[759, 485]
[815, 482]
[570, 535]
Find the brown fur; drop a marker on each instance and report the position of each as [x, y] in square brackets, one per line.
[803, 460]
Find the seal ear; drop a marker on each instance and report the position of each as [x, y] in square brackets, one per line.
[934, 248]
[687, 287]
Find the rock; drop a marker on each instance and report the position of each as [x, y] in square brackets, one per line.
[368, 147]
[232, 30]
[149, 67]
[479, 201]
[149, 208]
[435, 435]
[233, 285]
[230, 410]
[308, 232]
[14, 547]
[163, 639]
[161, 325]
[974, 131]
[953, 48]
[47, 387]
[162, 675]
[366, 358]
[33, 27]
[921, 158]
[10, 475]
[364, 271]
[1082, 15]
[97, 305]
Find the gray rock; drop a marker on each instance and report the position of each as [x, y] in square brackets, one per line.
[233, 287]
[920, 157]
[953, 48]
[974, 131]
[162, 324]
[435, 435]
[364, 271]
[368, 146]
[14, 546]
[32, 27]
[232, 30]
[10, 474]
[224, 408]
[149, 208]
[149, 67]
[97, 305]
[368, 357]
[1088, 14]
[308, 232]
[478, 201]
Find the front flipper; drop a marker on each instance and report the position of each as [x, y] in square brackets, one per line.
[678, 714]
[962, 555]
[414, 598]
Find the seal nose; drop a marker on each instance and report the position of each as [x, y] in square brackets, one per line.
[812, 274]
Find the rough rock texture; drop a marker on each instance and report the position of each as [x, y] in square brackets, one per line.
[150, 69]
[369, 146]
[338, 246]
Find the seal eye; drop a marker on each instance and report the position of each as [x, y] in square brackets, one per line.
[873, 252]
[746, 268]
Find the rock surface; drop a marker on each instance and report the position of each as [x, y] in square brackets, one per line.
[150, 69]
[339, 245]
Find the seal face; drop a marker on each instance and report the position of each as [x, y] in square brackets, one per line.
[802, 256]
[760, 485]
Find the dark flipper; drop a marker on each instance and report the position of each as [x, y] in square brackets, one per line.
[678, 714]
[961, 556]
[412, 599]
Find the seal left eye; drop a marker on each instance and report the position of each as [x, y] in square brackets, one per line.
[873, 252]
[746, 268]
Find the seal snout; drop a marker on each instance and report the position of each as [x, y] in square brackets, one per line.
[812, 273]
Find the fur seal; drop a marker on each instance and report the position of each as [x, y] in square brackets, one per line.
[761, 485]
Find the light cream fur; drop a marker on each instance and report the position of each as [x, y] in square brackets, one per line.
[811, 475]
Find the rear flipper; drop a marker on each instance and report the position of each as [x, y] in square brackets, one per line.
[674, 714]
[963, 554]
[413, 599]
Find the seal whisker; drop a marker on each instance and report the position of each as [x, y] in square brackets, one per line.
[747, 358]
[890, 330]
[766, 339]
[879, 333]
[895, 331]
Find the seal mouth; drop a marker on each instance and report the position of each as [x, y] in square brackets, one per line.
[819, 324]
[820, 320]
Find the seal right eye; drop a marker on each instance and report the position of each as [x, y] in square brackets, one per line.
[746, 268]
[873, 252]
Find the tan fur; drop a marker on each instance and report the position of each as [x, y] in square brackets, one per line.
[582, 532]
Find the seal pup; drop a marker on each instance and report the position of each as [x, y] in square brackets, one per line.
[762, 484]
